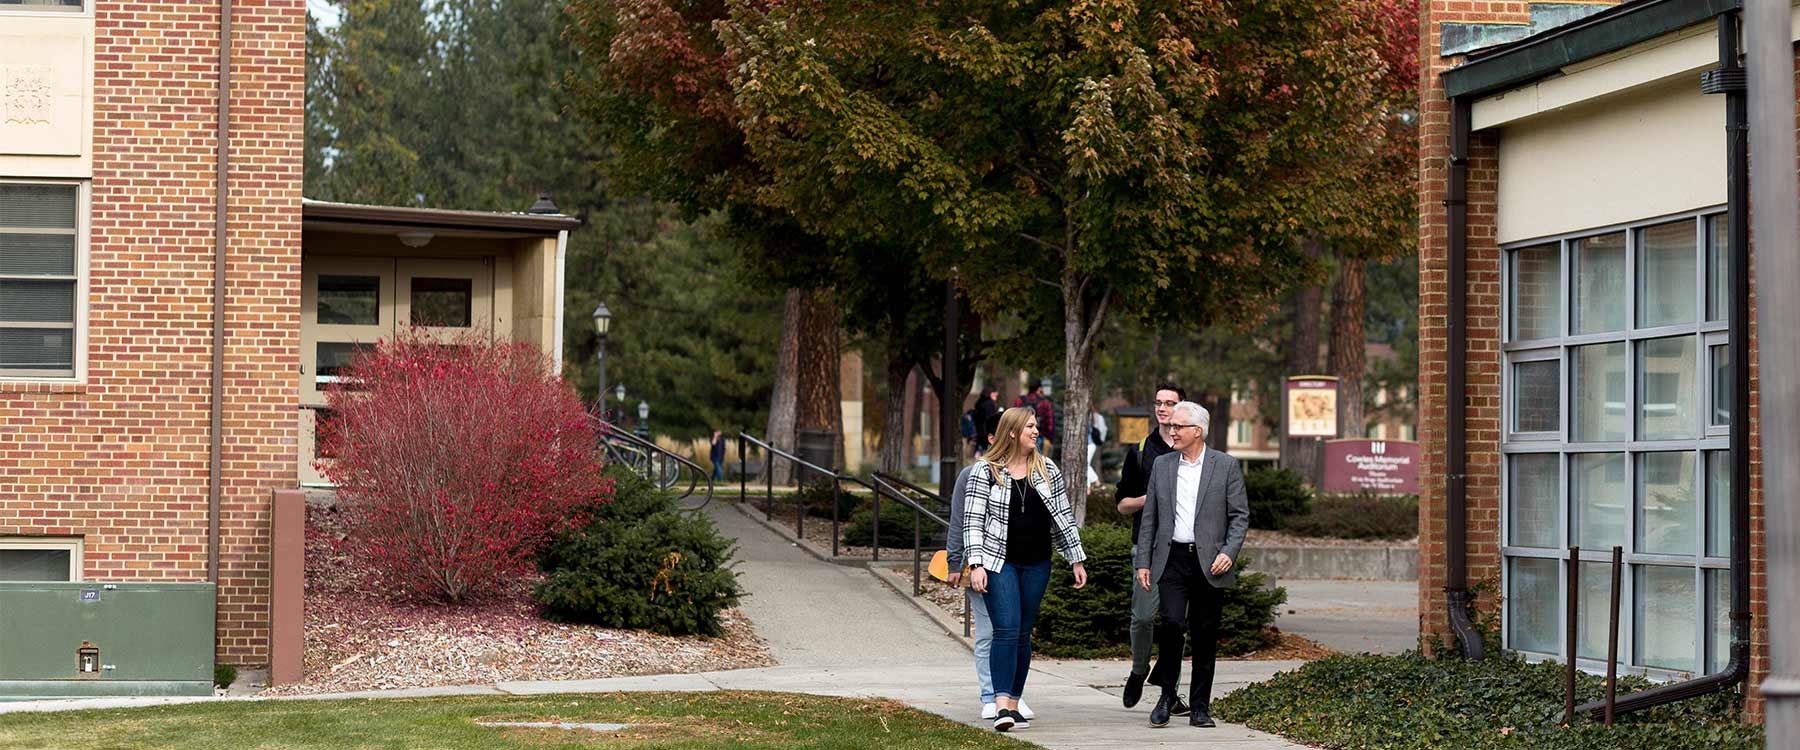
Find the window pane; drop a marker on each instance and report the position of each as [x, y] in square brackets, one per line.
[1601, 393]
[1718, 503]
[1667, 610]
[333, 357]
[350, 300]
[1537, 406]
[1533, 616]
[1532, 501]
[38, 206]
[33, 301]
[1537, 280]
[37, 349]
[1721, 387]
[1666, 274]
[1594, 609]
[1718, 619]
[1598, 495]
[34, 564]
[1669, 388]
[69, 5]
[37, 254]
[442, 303]
[1599, 283]
[1669, 518]
[1718, 270]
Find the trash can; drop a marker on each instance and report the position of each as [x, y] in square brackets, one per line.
[818, 447]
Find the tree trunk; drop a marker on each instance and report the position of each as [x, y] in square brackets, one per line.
[819, 405]
[1218, 434]
[1080, 318]
[1348, 346]
[1302, 454]
[893, 430]
[784, 396]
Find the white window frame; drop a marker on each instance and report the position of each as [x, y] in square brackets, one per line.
[1706, 437]
[70, 544]
[83, 233]
[40, 11]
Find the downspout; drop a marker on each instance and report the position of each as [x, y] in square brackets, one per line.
[1728, 79]
[222, 189]
[1456, 449]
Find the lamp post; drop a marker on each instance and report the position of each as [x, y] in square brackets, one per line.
[602, 322]
[643, 427]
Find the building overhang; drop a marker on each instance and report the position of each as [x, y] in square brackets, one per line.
[356, 218]
[1543, 55]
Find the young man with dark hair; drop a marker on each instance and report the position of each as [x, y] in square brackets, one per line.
[1134, 479]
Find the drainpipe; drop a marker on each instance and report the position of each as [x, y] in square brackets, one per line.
[222, 189]
[1727, 79]
[1456, 449]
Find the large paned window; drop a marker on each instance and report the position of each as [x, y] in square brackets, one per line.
[40, 266]
[1617, 399]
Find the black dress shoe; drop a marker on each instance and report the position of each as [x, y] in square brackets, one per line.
[1201, 718]
[1181, 707]
[1134, 689]
[1159, 716]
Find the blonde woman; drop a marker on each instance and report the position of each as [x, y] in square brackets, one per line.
[1016, 510]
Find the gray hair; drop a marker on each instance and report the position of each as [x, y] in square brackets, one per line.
[1199, 414]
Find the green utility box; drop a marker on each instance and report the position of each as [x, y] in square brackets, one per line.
[79, 640]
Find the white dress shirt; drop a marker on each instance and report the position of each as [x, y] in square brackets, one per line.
[1187, 497]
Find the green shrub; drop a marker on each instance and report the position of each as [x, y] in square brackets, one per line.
[1095, 621]
[1103, 505]
[896, 528]
[1276, 495]
[641, 564]
[224, 675]
[1363, 515]
[1411, 702]
[818, 499]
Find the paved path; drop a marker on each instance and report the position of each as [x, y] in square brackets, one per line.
[1380, 617]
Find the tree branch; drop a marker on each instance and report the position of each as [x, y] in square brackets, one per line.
[1096, 319]
[1040, 242]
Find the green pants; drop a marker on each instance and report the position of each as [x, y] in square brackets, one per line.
[1143, 625]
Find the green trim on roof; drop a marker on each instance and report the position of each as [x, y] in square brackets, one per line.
[1540, 55]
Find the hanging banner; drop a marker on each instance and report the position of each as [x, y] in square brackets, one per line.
[1390, 467]
[1312, 408]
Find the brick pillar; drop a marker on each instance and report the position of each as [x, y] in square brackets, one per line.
[287, 589]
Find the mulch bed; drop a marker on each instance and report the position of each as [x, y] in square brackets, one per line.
[358, 637]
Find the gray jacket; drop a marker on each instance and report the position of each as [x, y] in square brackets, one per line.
[1221, 515]
[953, 540]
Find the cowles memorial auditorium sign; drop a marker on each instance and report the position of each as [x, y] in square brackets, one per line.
[1390, 467]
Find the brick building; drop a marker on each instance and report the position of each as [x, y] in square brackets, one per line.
[127, 451]
[1578, 332]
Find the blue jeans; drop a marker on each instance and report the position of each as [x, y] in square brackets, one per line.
[984, 644]
[718, 471]
[1014, 593]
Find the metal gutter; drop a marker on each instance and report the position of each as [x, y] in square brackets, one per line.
[222, 190]
[1727, 79]
[1456, 448]
[1543, 55]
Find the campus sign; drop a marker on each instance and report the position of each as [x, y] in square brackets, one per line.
[1312, 409]
[1390, 467]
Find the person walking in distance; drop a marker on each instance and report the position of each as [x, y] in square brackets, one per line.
[1193, 524]
[1134, 479]
[1040, 405]
[1016, 510]
[718, 456]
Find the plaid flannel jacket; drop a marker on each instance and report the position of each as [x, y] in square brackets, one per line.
[985, 513]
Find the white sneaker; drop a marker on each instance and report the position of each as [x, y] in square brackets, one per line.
[1026, 711]
[989, 710]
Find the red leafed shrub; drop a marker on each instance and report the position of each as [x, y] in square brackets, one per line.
[457, 461]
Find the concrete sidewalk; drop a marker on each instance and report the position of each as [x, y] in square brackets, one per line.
[839, 631]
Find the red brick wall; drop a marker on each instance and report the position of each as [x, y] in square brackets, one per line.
[1483, 369]
[122, 459]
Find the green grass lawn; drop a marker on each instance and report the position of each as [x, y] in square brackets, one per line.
[684, 721]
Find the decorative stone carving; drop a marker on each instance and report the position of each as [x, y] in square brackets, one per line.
[27, 95]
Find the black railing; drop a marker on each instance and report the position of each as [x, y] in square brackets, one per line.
[892, 487]
[661, 467]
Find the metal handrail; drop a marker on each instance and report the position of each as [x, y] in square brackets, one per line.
[609, 431]
[883, 485]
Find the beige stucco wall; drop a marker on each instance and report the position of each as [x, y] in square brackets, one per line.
[532, 289]
[46, 94]
[1639, 154]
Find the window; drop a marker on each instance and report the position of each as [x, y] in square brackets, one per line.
[1617, 391]
[1242, 427]
[53, 6]
[27, 558]
[442, 303]
[40, 265]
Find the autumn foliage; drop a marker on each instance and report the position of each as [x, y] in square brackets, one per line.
[456, 462]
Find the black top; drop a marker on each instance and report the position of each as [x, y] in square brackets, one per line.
[1134, 476]
[1028, 526]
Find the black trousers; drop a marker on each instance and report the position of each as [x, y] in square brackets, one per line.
[1190, 610]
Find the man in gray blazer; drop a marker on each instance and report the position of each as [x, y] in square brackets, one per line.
[1194, 519]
